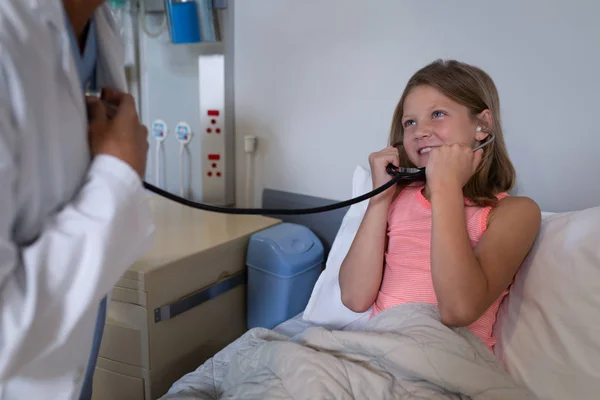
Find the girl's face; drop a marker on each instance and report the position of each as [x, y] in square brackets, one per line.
[431, 119]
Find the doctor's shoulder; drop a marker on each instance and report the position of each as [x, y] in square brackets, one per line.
[17, 18]
[32, 46]
[28, 25]
[23, 33]
[13, 41]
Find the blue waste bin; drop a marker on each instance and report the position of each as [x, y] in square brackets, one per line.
[284, 263]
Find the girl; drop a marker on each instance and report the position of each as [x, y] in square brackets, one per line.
[457, 239]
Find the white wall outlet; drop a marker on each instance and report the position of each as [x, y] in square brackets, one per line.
[160, 130]
[184, 133]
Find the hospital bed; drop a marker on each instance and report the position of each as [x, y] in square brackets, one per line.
[548, 332]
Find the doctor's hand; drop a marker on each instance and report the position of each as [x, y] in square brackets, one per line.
[123, 136]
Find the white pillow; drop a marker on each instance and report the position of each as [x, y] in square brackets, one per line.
[548, 328]
[325, 306]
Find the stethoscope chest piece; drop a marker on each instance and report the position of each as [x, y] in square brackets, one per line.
[407, 173]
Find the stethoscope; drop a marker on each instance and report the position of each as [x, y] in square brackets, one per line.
[397, 174]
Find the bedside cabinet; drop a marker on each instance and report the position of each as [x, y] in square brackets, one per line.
[179, 304]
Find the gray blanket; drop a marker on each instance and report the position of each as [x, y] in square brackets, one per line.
[403, 353]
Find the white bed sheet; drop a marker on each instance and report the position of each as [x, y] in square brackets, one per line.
[412, 373]
[296, 325]
[184, 387]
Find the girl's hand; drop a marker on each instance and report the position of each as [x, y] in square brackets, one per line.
[451, 166]
[378, 162]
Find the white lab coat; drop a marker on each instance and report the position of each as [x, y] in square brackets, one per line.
[69, 226]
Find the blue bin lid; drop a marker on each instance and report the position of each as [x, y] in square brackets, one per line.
[285, 249]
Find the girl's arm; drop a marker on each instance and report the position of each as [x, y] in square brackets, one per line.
[362, 270]
[467, 281]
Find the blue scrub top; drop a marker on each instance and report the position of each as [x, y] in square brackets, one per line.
[86, 60]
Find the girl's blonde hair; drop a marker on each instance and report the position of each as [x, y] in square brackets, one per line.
[474, 89]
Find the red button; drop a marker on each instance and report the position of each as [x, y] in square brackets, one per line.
[213, 113]
[215, 157]
[214, 165]
[208, 130]
[209, 173]
[218, 174]
[218, 130]
[213, 121]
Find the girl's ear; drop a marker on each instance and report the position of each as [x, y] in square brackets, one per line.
[485, 123]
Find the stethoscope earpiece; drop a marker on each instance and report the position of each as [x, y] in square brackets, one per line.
[490, 138]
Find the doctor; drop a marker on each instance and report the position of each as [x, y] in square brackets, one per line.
[73, 212]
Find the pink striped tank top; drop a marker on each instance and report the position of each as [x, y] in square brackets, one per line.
[407, 270]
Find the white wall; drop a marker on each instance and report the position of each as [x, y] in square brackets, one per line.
[317, 82]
